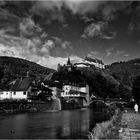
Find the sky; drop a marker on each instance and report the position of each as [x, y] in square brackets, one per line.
[47, 32]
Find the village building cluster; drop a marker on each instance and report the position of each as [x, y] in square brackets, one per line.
[26, 88]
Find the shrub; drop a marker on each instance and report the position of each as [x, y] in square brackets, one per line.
[100, 105]
[102, 130]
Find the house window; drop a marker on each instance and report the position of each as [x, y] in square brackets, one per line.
[24, 93]
[14, 93]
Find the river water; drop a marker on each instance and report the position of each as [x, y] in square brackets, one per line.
[68, 124]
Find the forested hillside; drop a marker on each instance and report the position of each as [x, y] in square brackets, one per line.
[101, 83]
[125, 72]
[12, 68]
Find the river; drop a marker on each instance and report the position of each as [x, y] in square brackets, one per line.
[67, 124]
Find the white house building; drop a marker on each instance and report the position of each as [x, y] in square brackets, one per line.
[13, 95]
[77, 92]
[19, 90]
[5, 95]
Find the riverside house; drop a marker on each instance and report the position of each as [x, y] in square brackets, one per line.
[19, 90]
[78, 93]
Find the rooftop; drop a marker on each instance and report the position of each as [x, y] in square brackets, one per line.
[22, 85]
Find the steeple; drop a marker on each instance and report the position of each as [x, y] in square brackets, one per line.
[68, 62]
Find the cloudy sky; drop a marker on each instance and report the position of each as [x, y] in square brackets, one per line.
[47, 32]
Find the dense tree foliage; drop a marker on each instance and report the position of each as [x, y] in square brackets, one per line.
[105, 85]
[125, 72]
[101, 83]
[73, 77]
[136, 88]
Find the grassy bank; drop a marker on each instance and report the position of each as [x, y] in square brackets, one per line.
[104, 130]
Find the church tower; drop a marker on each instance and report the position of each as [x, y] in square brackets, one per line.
[69, 65]
[68, 62]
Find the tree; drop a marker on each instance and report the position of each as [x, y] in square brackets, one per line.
[125, 92]
[136, 88]
[1, 73]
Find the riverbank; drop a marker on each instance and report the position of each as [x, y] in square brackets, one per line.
[104, 130]
[23, 106]
[125, 127]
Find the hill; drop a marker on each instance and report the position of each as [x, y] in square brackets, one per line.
[11, 68]
[100, 82]
[125, 72]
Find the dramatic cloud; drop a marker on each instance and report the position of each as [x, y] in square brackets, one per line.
[76, 6]
[110, 9]
[109, 52]
[64, 44]
[109, 35]
[47, 46]
[93, 54]
[9, 22]
[28, 28]
[115, 53]
[87, 19]
[28, 49]
[94, 30]
[119, 52]
[55, 9]
[47, 32]
[98, 29]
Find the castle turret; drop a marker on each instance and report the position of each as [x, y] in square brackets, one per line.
[69, 65]
[68, 62]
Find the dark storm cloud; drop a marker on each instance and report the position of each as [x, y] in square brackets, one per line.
[8, 22]
[55, 9]
[134, 25]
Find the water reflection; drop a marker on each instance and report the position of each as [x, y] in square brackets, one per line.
[75, 125]
[13, 126]
[56, 125]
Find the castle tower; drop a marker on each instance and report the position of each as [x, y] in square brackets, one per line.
[68, 62]
[69, 65]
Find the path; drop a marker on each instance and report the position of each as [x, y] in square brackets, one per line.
[130, 126]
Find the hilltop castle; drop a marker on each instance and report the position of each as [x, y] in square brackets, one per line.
[87, 62]
[68, 66]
